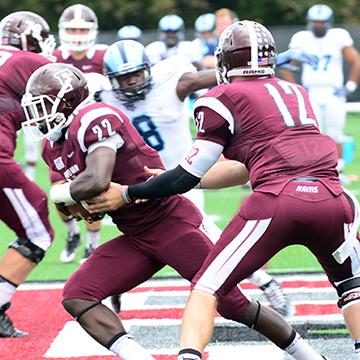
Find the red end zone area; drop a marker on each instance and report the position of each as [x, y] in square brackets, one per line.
[55, 335]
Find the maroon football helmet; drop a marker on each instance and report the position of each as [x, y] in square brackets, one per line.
[52, 94]
[78, 27]
[26, 30]
[246, 48]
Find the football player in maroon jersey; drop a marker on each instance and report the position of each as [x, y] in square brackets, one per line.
[268, 125]
[91, 144]
[23, 207]
[78, 29]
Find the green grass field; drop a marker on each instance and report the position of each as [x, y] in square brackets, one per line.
[223, 204]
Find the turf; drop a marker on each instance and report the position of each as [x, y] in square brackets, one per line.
[222, 204]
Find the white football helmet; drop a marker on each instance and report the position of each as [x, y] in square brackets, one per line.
[319, 18]
[73, 21]
[129, 32]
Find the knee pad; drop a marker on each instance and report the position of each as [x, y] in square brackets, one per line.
[349, 292]
[28, 250]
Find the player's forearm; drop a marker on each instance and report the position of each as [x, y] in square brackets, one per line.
[88, 185]
[191, 82]
[176, 181]
[224, 174]
[96, 178]
[352, 57]
[84, 187]
[205, 79]
[287, 75]
[354, 74]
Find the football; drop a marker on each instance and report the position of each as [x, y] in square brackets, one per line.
[80, 211]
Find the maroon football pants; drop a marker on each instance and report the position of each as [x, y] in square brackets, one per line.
[305, 213]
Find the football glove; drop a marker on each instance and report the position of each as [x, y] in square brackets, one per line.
[283, 59]
[346, 90]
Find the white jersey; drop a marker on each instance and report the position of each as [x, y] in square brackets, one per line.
[157, 51]
[161, 119]
[327, 71]
[97, 82]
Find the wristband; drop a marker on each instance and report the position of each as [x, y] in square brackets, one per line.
[60, 193]
[124, 196]
[351, 86]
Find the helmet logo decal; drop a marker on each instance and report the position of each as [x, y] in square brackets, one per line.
[64, 77]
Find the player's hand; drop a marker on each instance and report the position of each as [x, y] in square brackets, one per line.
[346, 90]
[153, 172]
[110, 200]
[284, 59]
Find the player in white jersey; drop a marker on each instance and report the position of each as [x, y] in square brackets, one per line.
[153, 99]
[171, 42]
[323, 77]
[206, 39]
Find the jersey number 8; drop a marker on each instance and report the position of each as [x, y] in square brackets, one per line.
[148, 131]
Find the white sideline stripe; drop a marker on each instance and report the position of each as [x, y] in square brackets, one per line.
[353, 106]
[227, 260]
[179, 282]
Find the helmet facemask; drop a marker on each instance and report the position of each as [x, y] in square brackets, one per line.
[27, 31]
[319, 28]
[78, 42]
[42, 44]
[43, 118]
[171, 30]
[132, 93]
[319, 19]
[48, 115]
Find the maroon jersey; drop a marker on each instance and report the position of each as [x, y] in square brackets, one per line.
[269, 125]
[97, 122]
[16, 66]
[91, 63]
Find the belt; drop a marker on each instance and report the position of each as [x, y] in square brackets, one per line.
[306, 179]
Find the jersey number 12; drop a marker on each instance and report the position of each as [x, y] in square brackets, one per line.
[281, 105]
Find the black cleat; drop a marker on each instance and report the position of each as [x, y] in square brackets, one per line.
[72, 244]
[7, 329]
[88, 251]
[116, 302]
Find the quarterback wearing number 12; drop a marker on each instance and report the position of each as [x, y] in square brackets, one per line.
[268, 125]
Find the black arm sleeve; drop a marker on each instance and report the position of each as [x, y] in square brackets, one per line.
[176, 181]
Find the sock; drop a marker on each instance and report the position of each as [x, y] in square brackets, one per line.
[357, 347]
[300, 349]
[128, 349]
[7, 290]
[189, 354]
[93, 238]
[260, 278]
[30, 171]
[72, 226]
